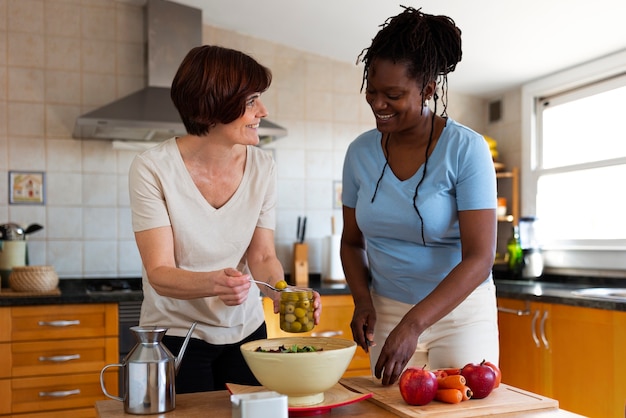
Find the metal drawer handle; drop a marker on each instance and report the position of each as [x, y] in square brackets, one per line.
[60, 359]
[532, 328]
[517, 312]
[60, 393]
[542, 328]
[59, 323]
[326, 333]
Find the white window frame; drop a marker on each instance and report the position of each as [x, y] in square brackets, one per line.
[598, 260]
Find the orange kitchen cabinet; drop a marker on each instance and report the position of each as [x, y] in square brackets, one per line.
[335, 322]
[563, 352]
[581, 343]
[523, 358]
[619, 361]
[53, 355]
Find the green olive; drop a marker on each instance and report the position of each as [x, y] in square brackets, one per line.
[300, 312]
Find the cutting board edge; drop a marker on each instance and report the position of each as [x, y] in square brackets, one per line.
[406, 411]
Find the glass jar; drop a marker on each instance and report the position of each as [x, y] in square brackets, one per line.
[296, 310]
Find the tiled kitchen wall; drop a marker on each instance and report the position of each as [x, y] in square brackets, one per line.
[62, 58]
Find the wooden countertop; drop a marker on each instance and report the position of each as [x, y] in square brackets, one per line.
[217, 404]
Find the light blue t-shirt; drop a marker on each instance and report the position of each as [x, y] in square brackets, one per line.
[460, 176]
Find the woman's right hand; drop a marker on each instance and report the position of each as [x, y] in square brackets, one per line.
[363, 322]
[231, 286]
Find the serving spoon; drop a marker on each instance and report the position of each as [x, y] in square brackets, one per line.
[268, 285]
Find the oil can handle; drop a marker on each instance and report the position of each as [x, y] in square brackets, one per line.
[117, 398]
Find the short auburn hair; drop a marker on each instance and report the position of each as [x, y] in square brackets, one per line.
[212, 84]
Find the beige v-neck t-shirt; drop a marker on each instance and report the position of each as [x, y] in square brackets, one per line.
[162, 193]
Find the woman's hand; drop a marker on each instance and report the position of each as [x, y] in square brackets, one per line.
[396, 353]
[232, 286]
[363, 322]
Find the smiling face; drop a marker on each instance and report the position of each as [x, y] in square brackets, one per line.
[244, 129]
[396, 99]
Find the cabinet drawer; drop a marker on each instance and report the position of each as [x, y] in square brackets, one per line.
[5, 360]
[62, 356]
[63, 321]
[5, 400]
[51, 393]
[68, 413]
[5, 324]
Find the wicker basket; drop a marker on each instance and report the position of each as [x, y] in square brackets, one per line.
[33, 279]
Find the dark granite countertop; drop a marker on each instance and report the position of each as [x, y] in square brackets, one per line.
[75, 291]
[72, 291]
[558, 289]
[550, 289]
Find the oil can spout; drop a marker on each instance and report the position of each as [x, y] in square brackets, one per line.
[184, 346]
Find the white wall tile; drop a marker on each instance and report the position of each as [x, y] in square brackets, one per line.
[62, 87]
[61, 19]
[26, 50]
[25, 119]
[64, 189]
[27, 154]
[26, 16]
[100, 223]
[64, 155]
[66, 257]
[100, 258]
[99, 189]
[129, 259]
[124, 224]
[62, 53]
[26, 85]
[64, 222]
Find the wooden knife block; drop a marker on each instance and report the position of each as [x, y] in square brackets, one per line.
[300, 268]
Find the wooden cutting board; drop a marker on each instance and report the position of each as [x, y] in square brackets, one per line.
[505, 399]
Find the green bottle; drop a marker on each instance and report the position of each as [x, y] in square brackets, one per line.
[516, 256]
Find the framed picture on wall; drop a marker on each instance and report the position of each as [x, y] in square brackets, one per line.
[27, 188]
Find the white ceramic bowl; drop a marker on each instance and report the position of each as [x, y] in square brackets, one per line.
[303, 377]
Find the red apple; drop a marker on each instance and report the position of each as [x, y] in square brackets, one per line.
[497, 371]
[417, 386]
[480, 379]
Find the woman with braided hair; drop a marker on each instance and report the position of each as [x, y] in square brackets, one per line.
[419, 199]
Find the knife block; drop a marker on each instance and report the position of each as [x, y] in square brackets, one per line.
[300, 268]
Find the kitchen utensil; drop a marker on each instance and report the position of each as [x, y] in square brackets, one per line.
[14, 232]
[32, 228]
[13, 250]
[267, 285]
[300, 233]
[149, 372]
[302, 376]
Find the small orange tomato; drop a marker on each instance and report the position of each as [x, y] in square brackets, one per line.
[497, 371]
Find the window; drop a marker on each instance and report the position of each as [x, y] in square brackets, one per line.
[576, 168]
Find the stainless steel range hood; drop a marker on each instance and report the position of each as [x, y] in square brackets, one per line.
[148, 115]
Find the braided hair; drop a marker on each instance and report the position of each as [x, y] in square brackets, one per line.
[430, 47]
